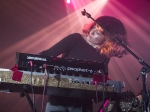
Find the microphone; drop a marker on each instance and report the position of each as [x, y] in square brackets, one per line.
[84, 13]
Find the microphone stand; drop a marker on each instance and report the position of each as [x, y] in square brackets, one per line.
[144, 71]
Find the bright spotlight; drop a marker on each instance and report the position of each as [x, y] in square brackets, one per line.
[68, 1]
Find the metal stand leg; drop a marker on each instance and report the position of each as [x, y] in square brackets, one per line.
[25, 93]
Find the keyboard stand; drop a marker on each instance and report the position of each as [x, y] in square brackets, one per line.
[25, 93]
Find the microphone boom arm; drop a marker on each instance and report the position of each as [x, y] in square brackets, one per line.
[144, 71]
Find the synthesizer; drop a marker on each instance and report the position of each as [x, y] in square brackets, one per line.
[71, 67]
[61, 87]
[66, 77]
[79, 71]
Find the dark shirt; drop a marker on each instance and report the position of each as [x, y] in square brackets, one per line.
[74, 46]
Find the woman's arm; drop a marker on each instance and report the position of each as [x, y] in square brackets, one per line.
[62, 46]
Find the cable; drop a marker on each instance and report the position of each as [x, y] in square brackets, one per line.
[103, 96]
[95, 82]
[33, 96]
[103, 92]
[45, 80]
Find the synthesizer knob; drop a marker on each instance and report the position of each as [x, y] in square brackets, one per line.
[76, 81]
[88, 82]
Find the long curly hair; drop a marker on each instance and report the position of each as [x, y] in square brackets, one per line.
[111, 27]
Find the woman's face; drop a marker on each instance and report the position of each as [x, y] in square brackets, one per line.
[96, 35]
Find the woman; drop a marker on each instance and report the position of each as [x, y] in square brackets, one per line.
[95, 44]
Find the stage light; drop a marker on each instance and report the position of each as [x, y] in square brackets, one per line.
[68, 1]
